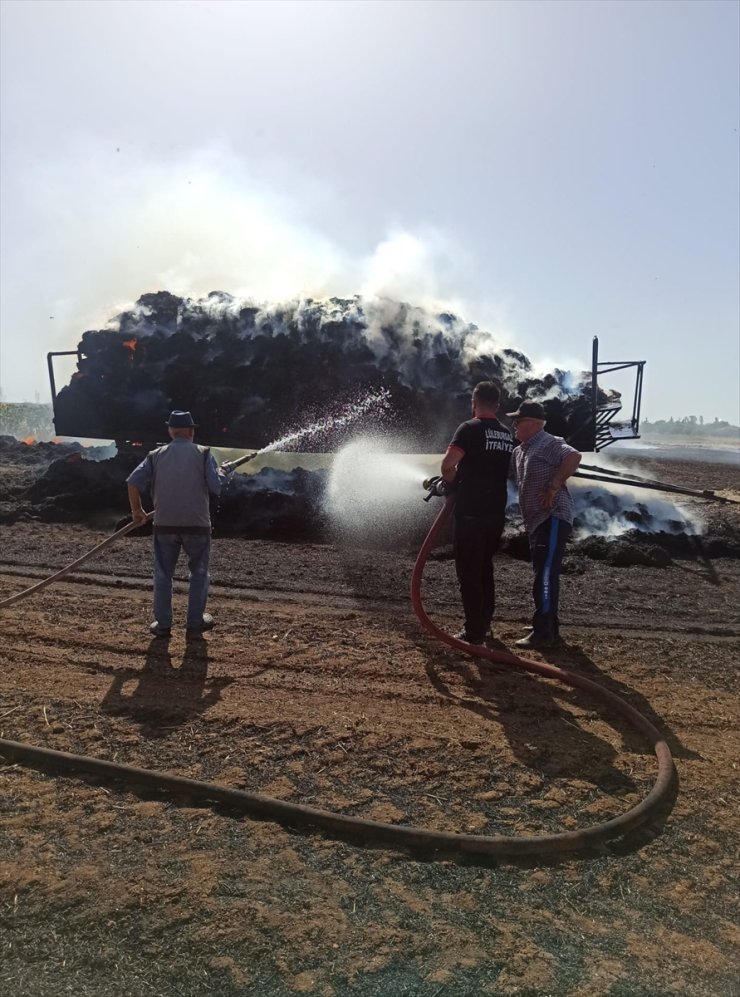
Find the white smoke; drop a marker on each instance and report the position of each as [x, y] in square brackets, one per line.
[422, 268]
[613, 509]
[105, 225]
[375, 489]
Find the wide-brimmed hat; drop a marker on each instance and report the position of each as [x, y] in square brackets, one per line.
[529, 410]
[181, 420]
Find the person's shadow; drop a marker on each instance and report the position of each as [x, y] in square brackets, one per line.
[162, 692]
[540, 721]
[571, 657]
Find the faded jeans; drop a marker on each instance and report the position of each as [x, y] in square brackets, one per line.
[167, 546]
[547, 545]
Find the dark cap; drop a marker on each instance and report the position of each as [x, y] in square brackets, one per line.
[529, 410]
[181, 420]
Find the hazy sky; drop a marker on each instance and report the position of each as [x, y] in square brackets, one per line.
[555, 170]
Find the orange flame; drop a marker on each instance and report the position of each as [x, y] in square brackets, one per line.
[29, 441]
[130, 344]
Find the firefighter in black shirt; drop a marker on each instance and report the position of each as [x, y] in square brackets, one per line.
[477, 460]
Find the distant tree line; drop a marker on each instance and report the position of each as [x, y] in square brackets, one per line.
[690, 425]
[25, 420]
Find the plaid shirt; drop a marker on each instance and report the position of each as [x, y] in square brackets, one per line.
[535, 464]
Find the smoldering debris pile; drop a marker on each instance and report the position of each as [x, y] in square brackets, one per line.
[14, 451]
[274, 505]
[24, 464]
[296, 506]
[58, 482]
[250, 371]
[658, 550]
[68, 483]
[33, 452]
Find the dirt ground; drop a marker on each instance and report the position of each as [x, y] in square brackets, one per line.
[319, 686]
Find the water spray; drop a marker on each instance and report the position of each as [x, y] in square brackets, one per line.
[355, 410]
[373, 399]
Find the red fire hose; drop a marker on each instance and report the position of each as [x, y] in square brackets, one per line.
[597, 832]
[398, 834]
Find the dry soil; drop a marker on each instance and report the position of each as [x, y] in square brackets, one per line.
[319, 686]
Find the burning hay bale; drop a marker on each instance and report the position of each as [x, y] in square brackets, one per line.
[255, 370]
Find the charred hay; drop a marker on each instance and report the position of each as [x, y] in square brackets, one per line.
[290, 506]
[252, 372]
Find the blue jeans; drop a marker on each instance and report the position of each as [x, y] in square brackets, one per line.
[167, 546]
[547, 544]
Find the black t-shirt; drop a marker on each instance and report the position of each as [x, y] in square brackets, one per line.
[483, 472]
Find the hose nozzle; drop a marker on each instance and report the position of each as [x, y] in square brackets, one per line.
[231, 465]
[436, 487]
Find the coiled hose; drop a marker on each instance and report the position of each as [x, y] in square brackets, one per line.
[397, 834]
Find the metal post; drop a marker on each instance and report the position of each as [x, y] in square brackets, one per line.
[51, 378]
[595, 386]
[50, 364]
